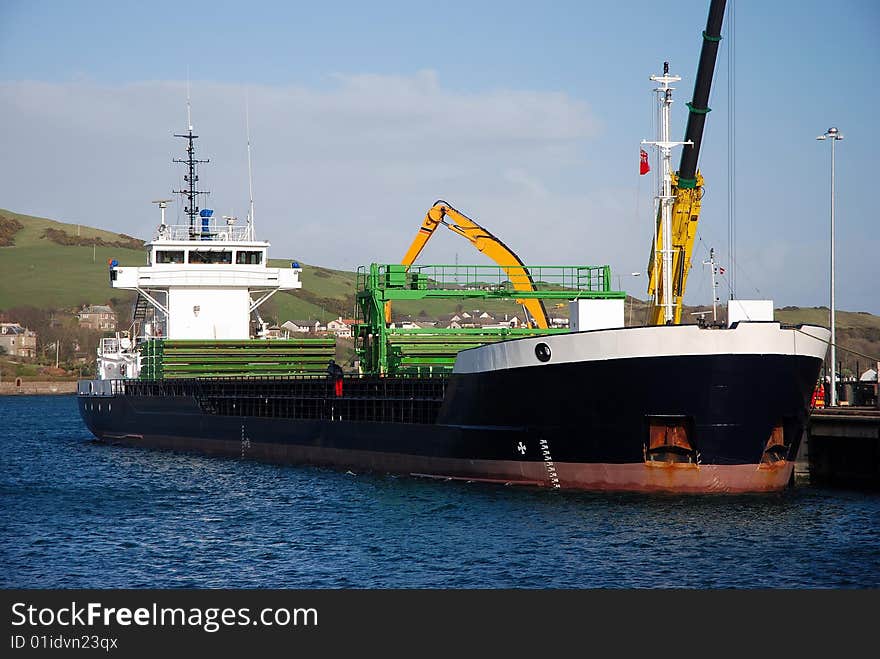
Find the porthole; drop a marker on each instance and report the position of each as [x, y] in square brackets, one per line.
[542, 352]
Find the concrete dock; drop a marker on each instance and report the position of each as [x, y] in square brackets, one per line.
[843, 447]
[26, 387]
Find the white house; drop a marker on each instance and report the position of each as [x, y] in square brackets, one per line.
[409, 324]
[340, 327]
[300, 326]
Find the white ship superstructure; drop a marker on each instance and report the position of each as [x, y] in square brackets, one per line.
[203, 280]
[204, 288]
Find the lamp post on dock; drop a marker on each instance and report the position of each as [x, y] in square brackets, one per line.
[632, 274]
[834, 135]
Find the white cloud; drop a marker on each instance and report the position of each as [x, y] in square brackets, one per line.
[342, 174]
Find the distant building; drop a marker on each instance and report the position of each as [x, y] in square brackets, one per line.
[300, 326]
[341, 327]
[411, 324]
[17, 340]
[98, 317]
[273, 332]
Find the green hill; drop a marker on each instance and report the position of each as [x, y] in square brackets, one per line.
[37, 271]
[325, 295]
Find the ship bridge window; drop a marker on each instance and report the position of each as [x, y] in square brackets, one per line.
[248, 258]
[165, 256]
[210, 256]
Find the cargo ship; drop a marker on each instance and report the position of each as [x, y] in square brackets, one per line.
[598, 406]
[665, 407]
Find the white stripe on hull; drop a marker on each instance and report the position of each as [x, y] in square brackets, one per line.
[766, 338]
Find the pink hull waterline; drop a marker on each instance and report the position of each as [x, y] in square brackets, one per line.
[644, 477]
[606, 477]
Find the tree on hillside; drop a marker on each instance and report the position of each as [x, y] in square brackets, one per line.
[27, 316]
[269, 312]
[66, 332]
[124, 307]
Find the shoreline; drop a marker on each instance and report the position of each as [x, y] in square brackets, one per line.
[37, 388]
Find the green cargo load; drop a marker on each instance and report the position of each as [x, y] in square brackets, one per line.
[168, 359]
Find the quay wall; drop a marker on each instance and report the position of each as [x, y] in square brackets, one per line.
[41, 388]
[843, 447]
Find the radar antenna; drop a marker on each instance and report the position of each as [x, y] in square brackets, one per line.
[163, 204]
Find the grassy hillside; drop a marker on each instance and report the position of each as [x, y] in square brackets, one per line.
[33, 228]
[857, 334]
[38, 272]
[819, 316]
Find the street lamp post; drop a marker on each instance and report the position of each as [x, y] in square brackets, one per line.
[632, 274]
[834, 135]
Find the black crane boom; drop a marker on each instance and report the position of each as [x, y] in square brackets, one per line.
[699, 106]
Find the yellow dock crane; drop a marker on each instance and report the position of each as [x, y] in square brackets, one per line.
[686, 184]
[486, 243]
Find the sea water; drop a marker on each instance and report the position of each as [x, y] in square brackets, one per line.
[80, 514]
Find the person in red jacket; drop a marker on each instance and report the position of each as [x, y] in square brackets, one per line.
[818, 399]
[334, 373]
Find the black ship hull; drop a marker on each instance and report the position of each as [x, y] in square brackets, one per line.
[724, 423]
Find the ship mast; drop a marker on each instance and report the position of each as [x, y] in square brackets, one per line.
[191, 193]
[665, 197]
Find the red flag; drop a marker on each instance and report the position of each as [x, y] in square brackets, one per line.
[644, 167]
[721, 270]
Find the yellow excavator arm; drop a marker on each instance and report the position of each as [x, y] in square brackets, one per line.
[685, 216]
[486, 243]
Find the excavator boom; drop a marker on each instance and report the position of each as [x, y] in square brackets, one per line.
[486, 243]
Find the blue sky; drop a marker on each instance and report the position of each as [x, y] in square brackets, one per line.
[526, 117]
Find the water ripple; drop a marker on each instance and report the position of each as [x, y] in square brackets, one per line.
[78, 514]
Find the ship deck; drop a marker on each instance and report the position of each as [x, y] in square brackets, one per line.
[363, 398]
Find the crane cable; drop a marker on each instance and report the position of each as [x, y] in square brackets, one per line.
[731, 148]
[838, 346]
